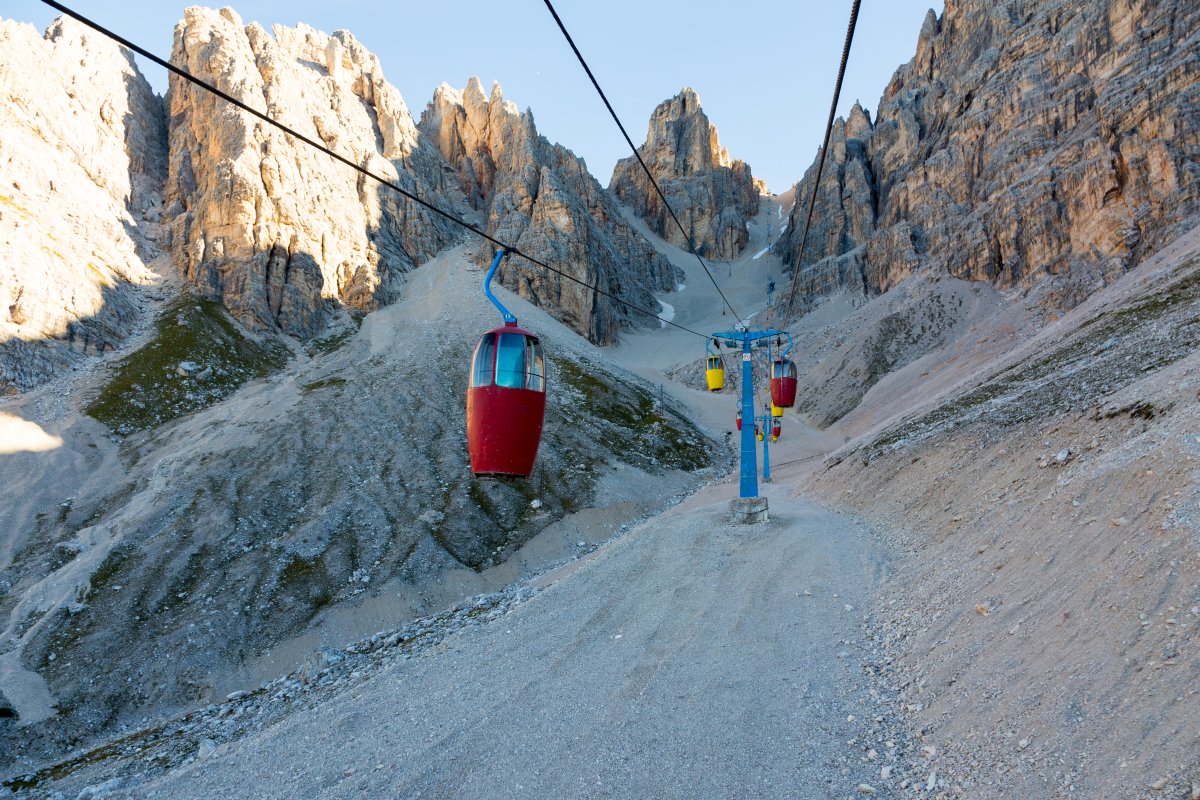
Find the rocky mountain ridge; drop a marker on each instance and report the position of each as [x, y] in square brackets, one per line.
[279, 233]
[275, 229]
[540, 197]
[1026, 143]
[712, 195]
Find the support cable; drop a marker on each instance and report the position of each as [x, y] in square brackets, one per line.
[687, 237]
[812, 202]
[512, 251]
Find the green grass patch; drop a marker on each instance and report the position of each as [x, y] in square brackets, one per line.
[145, 389]
[329, 344]
[636, 432]
[108, 570]
[308, 388]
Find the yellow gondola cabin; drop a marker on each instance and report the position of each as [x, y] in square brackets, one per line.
[715, 373]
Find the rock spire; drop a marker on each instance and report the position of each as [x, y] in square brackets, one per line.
[712, 195]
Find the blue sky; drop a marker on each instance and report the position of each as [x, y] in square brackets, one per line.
[764, 70]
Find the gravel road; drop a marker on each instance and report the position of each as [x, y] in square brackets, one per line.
[687, 659]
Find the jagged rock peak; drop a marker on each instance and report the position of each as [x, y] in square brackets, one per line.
[540, 197]
[711, 194]
[858, 123]
[467, 129]
[82, 164]
[1029, 142]
[695, 147]
[271, 227]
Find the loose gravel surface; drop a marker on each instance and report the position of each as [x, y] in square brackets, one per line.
[1041, 627]
[687, 659]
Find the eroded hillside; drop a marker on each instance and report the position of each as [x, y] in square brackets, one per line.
[306, 508]
[1042, 630]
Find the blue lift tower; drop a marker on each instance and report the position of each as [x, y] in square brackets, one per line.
[748, 506]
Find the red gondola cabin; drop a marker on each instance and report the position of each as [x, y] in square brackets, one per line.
[783, 383]
[506, 403]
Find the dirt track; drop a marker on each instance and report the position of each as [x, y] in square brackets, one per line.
[688, 659]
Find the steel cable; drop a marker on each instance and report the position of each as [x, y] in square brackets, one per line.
[837, 91]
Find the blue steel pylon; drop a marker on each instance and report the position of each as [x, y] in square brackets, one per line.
[749, 475]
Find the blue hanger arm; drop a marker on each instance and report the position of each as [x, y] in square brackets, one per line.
[487, 287]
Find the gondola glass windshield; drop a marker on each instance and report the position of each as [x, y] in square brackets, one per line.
[518, 359]
[535, 365]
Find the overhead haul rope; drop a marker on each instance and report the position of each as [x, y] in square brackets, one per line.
[812, 202]
[687, 237]
[384, 181]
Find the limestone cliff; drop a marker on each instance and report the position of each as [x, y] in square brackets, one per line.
[82, 163]
[712, 195]
[1026, 142]
[540, 197]
[268, 225]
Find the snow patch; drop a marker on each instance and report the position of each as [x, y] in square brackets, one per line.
[666, 315]
[681, 287]
[761, 253]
